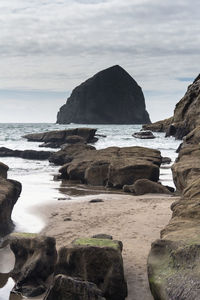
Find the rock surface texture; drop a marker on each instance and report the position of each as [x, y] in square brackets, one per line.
[35, 258]
[98, 261]
[111, 96]
[9, 193]
[57, 138]
[186, 114]
[173, 263]
[112, 167]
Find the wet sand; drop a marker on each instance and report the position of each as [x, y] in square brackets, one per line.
[135, 220]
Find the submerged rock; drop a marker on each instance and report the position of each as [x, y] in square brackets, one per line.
[144, 135]
[57, 138]
[111, 96]
[26, 154]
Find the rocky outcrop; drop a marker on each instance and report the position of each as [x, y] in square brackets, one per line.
[9, 193]
[26, 154]
[113, 166]
[57, 138]
[35, 258]
[144, 135]
[65, 287]
[95, 260]
[111, 96]
[186, 114]
[173, 263]
[160, 126]
[145, 186]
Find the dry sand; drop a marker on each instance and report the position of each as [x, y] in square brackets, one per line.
[135, 220]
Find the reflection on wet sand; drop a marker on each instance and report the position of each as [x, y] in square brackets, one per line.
[75, 189]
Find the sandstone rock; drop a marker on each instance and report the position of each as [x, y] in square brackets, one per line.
[3, 170]
[35, 258]
[9, 193]
[186, 114]
[113, 166]
[160, 126]
[166, 160]
[144, 135]
[68, 288]
[56, 138]
[173, 264]
[100, 100]
[145, 186]
[98, 261]
[27, 154]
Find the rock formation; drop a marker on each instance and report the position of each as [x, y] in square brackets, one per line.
[35, 258]
[56, 138]
[112, 167]
[111, 96]
[173, 263]
[26, 154]
[9, 193]
[144, 135]
[186, 114]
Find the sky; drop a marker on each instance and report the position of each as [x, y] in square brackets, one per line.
[48, 47]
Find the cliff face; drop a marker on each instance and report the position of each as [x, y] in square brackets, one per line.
[186, 114]
[111, 96]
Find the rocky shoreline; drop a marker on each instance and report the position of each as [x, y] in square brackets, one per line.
[173, 263]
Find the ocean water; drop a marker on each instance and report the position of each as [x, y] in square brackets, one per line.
[38, 186]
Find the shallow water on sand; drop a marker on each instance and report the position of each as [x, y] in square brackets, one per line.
[37, 176]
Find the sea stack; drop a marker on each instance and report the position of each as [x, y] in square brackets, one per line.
[111, 96]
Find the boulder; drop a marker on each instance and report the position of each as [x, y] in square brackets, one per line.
[166, 160]
[26, 154]
[68, 288]
[3, 170]
[145, 186]
[35, 258]
[111, 96]
[9, 193]
[144, 135]
[56, 138]
[113, 166]
[98, 261]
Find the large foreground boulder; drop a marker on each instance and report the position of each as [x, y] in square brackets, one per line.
[111, 96]
[9, 193]
[35, 258]
[56, 138]
[98, 261]
[113, 166]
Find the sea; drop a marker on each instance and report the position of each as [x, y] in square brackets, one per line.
[37, 177]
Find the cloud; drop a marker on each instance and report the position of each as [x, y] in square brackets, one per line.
[55, 45]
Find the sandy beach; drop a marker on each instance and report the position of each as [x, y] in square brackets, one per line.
[135, 220]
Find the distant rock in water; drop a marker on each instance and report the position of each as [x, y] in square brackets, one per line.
[111, 96]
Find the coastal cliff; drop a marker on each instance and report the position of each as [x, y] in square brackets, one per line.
[173, 263]
[111, 96]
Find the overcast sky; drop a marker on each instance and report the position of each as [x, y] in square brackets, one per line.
[47, 47]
